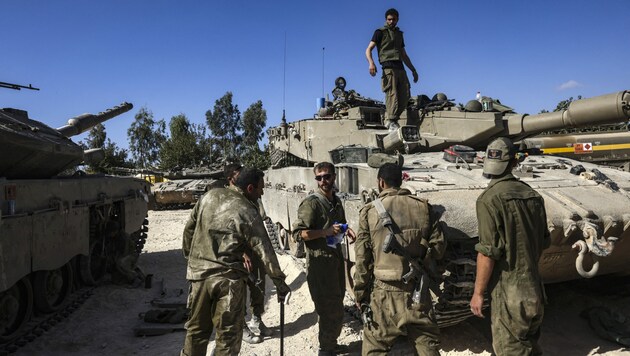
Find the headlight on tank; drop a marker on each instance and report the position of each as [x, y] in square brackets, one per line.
[396, 140]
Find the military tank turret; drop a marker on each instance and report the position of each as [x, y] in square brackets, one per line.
[60, 231]
[182, 188]
[442, 146]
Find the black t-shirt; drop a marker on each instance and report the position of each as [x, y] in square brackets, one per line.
[377, 37]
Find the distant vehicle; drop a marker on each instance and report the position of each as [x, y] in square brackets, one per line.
[604, 144]
[182, 188]
[442, 146]
[57, 230]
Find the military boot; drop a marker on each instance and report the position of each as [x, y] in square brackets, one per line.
[249, 337]
[257, 327]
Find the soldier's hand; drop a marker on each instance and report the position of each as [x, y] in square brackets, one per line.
[366, 315]
[415, 76]
[283, 291]
[373, 70]
[247, 262]
[476, 305]
[351, 235]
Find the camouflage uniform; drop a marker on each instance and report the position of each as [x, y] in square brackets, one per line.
[221, 226]
[324, 265]
[513, 232]
[377, 278]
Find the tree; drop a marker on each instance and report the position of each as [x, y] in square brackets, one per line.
[563, 105]
[224, 123]
[114, 157]
[145, 138]
[187, 145]
[254, 121]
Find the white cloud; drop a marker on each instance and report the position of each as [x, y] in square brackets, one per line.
[569, 85]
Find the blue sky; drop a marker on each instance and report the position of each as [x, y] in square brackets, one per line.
[175, 57]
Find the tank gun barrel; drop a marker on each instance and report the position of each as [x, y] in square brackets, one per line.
[82, 123]
[605, 109]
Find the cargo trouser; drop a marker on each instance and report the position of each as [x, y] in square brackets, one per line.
[327, 284]
[215, 302]
[257, 289]
[395, 85]
[515, 324]
[394, 315]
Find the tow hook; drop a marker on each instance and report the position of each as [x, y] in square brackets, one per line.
[598, 246]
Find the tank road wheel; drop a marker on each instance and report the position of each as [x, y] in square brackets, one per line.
[52, 288]
[92, 268]
[16, 307]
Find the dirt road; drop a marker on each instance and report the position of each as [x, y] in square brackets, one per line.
[104, 324]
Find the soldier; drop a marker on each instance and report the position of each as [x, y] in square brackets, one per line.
[221, 226]
[512, 235]
[392, 55]
[255, 329]
[388, 304]
[320, 215]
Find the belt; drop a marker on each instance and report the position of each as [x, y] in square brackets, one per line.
[394, 286]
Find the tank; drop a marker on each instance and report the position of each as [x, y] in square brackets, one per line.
[442, 146]
[183, 188]
[58, 232]
[605, 144]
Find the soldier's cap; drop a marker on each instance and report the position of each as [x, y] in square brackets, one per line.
[498, 155]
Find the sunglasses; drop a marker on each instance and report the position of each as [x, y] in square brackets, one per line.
[326, 176]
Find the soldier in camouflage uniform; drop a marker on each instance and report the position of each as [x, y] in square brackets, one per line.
[512, 235]
[319, 216]
[255, 329]
[392, 55]
[221, 226]
[378, 275]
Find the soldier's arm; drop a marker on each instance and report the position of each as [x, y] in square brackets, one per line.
[485, 265]
[364, 267]
[368, 56]
[256, 237]
[437, 242]
[409, 65]
[189, 230]
[305, 227]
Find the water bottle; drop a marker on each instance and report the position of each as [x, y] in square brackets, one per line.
[333, 241]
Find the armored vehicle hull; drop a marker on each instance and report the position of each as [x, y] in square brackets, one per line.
[588, 206]
[60, 232]
[180, 193]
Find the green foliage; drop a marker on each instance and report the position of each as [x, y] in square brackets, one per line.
[115, 157]
[186, 147]
[254, 121]
[145, 138]
[562, 105]
[225, 123]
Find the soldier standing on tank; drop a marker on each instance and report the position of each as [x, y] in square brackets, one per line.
[378, 285]
[390, 45]
[255, 329]
[512, 235]
[320, 215]
[221, 226]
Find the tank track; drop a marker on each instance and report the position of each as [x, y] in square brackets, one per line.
[453, 306]
[274, 237]
[40, 324]
[140, 236]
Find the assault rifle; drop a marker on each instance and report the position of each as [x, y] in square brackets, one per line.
[417, 273]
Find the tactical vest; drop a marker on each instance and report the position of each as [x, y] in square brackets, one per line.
[391, 45]
[410, 231]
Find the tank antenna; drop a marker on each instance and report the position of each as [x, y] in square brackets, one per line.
[284, 77]
[323, 56]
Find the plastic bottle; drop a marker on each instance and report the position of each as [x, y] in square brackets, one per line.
[333, 241]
